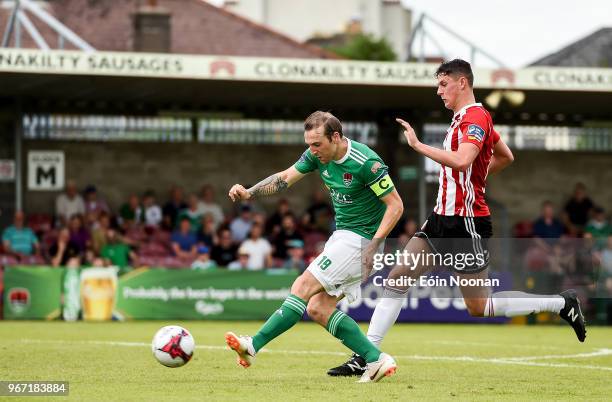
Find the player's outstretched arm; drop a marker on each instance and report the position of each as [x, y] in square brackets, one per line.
[460, 160]
[502, 157]
[270, 185]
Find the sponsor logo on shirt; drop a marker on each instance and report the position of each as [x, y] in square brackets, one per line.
[475, 133]
[340, 198]
[326, 173]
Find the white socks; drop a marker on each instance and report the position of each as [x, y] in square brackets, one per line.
[500, 304]
[385, 314]
[513, 303]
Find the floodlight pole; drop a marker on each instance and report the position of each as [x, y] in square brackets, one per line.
[18, 156]
[40, 41]
[18, 17]
[419, 28]
[10, 25]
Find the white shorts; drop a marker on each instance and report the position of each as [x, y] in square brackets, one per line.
[338, 267]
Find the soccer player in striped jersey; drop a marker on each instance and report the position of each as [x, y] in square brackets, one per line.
[367, 207]
[461, 221]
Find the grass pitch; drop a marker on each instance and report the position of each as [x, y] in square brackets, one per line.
[113, 361]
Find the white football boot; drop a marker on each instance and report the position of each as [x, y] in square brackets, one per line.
[243, 346]
[385, 366]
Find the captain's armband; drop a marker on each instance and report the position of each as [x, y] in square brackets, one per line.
[382, 186]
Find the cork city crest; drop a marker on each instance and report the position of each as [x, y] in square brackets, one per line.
[347, 178]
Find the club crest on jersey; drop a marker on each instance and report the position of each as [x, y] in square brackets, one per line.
[347, 178]
[475, 132]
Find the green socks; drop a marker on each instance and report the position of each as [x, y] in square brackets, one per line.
[346, 329]
[339, 325]
[289, 313]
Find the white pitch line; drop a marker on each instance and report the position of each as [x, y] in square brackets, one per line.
[520, 361]
[493, 344]
[597, 353]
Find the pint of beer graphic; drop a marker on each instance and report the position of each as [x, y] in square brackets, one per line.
[98, 289]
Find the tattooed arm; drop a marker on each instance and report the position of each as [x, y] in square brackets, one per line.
[271, 185]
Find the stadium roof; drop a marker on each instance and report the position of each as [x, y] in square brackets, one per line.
[594, 50]
[196, 27]
[122, 82]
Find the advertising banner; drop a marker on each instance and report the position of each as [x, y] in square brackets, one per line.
[185, 294]
[32, 292]
[437, 301]
[291, 70]
[170, 294]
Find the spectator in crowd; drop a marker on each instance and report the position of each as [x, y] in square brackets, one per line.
[259, 249]
[207, 205]
[203, 260]
[241, 225]
[599, 227]
[98, 262]
[116, 252]
[577, 210]
[207, 235]
[151, 211]
[64, 249]
[69, 203]
[18, 239]
[561, 261]
[606, 266]
[288, 232]
[547, 228]
[259, 218]
[295, 252]
[587, 260]
[130, 212]
[241, 263]
[172, 208]
[225, 252]
[274, 223]
[93, 203]
[319, 215]
[79, 234]
[184, 241]
[192, 213]
[98, 233]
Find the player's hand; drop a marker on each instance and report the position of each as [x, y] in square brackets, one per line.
[409, 133]
[238, 192]
[367, 259]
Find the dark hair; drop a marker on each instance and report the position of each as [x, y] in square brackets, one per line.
[456, 67]
[330, 123]
[547, 203]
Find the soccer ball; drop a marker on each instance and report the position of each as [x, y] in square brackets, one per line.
[173, 346]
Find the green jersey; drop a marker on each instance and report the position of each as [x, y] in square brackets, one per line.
[356, 183]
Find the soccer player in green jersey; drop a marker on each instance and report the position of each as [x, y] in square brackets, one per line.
[367, 207]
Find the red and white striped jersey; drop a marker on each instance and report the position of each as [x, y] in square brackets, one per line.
[462, 193]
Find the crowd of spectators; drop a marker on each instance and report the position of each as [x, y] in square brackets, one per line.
[573, 245]
[194, 231]
[184, 231]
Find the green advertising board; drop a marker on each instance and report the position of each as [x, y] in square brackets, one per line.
[32, 292]
[158, 293]
[186, 294]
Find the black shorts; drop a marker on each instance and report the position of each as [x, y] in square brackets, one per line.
[460, 236]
